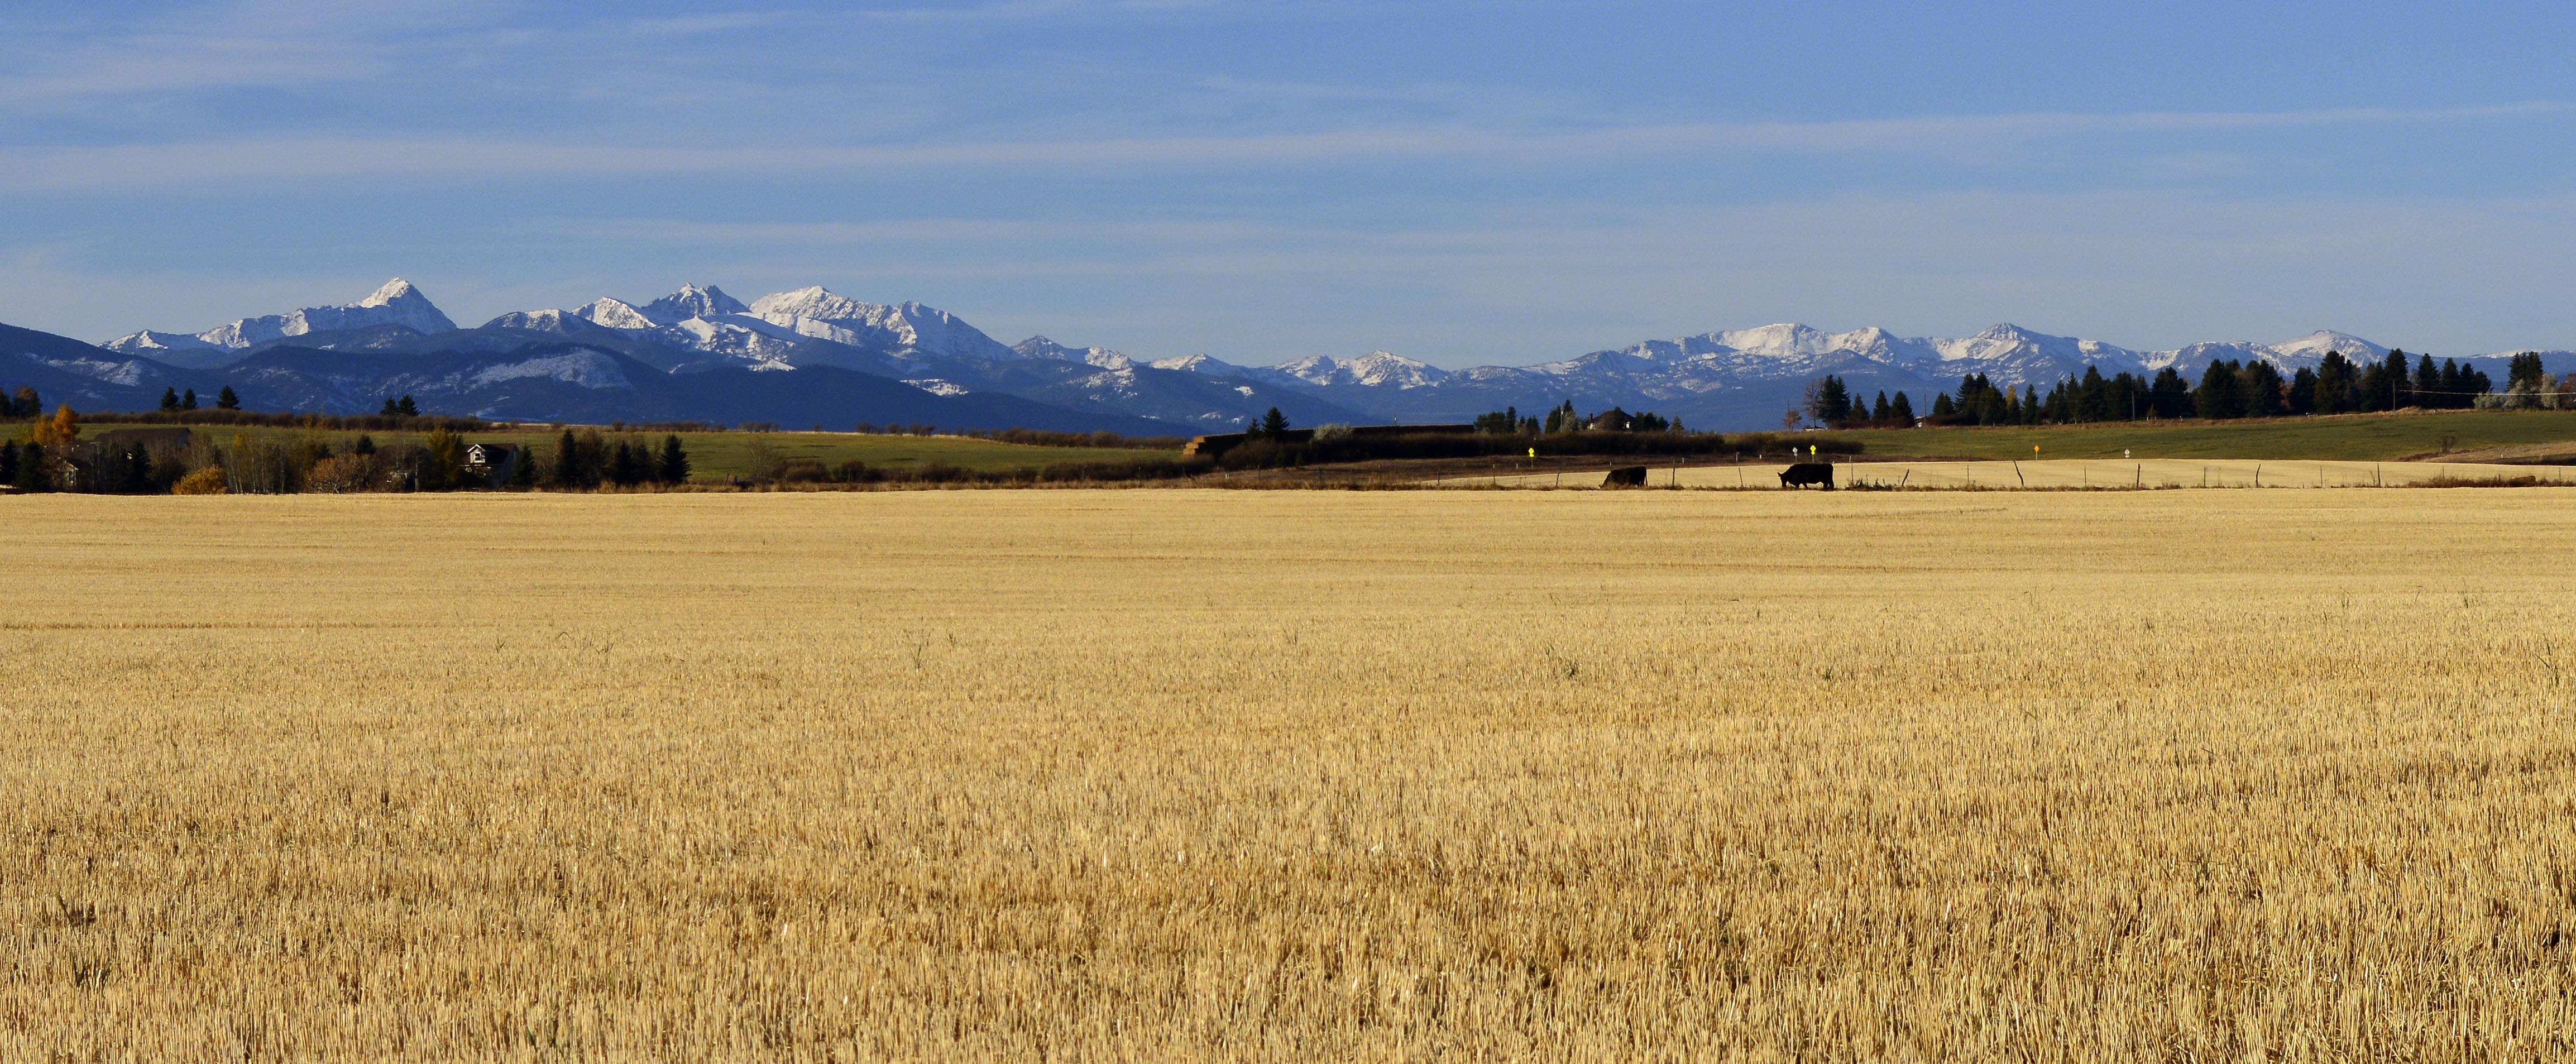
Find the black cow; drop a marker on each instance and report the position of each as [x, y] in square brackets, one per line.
[1626, 477]
[1805, 473]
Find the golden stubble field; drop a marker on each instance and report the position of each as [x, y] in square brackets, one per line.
[1161, 775]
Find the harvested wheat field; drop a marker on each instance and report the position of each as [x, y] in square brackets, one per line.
[1156, 775]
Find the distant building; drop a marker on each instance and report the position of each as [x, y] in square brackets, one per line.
[493, 463]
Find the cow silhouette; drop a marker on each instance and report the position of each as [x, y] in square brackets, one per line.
[1805, 473]
[1626, 477]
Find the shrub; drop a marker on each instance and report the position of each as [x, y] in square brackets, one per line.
[207, 481]
[346, 473]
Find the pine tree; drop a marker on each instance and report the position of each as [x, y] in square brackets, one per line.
[566, 471]
[226, 400]
[2400, 395]
[389, 410]
[1274, 424]
[407, 408]
[138, 469]
[2093, 397]
[1831, 403]
[366, 445]
[31, 473]
[1902, 410]
[169, 399]
[2336, 386]
[442, 463]
[2302, 397]
[626, 465]
[1942, 407]
[675, 461]
[2259, 390]
[2216, 398]
[1878, 411]
[2524, 370]
[188, 399]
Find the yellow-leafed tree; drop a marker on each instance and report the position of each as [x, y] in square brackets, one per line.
[60, 430]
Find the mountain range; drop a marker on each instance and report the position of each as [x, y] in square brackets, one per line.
[811, 356]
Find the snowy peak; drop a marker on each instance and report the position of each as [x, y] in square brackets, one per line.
[821, 313]
[396, 292]
[613, 313]
[1041, 347]
[1196, 363]
[396, 302]
[1377, 369]
[691, 301]
[2314, 346]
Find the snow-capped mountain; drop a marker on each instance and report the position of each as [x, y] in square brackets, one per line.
[397, 302]
[689, 302]
[613, 313]
[1041, 347]
[818, 312]
[2312, 348]
[1377, 369]
[1727, 379]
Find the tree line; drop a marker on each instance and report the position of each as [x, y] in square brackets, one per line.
[54, 457]
[2227, 389]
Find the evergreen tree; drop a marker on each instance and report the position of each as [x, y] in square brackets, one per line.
[366, 445]
[2428, 384]
[188, 399]
[2259, 389]
[1942, 407]
[226, 400]
[626, 465]
[390, 410]
[2093, 397]
[2128, 397]
[2302, 397]
[2524, 370]
[1274, 423]
[2216, 398]
[137, 470]
[8, 461]
[2168, 396]
[33, 472]
[566, 471]
[2400, 395]
[1835, 404]
[1902, 410]
[1878, 411]
[442, 464]
[25, 403]
[407, 408]
[2474, 382]
[169, 399]
[523, 473]
[675, 461]
[2337, 387]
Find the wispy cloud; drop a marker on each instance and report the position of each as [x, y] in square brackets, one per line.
[1967, 137]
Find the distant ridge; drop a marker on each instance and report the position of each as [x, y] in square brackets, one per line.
[1730, 379]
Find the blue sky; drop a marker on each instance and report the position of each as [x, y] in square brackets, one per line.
[1465, 182]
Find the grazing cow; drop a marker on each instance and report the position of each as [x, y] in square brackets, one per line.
[1805, 473]
[1626, 477]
